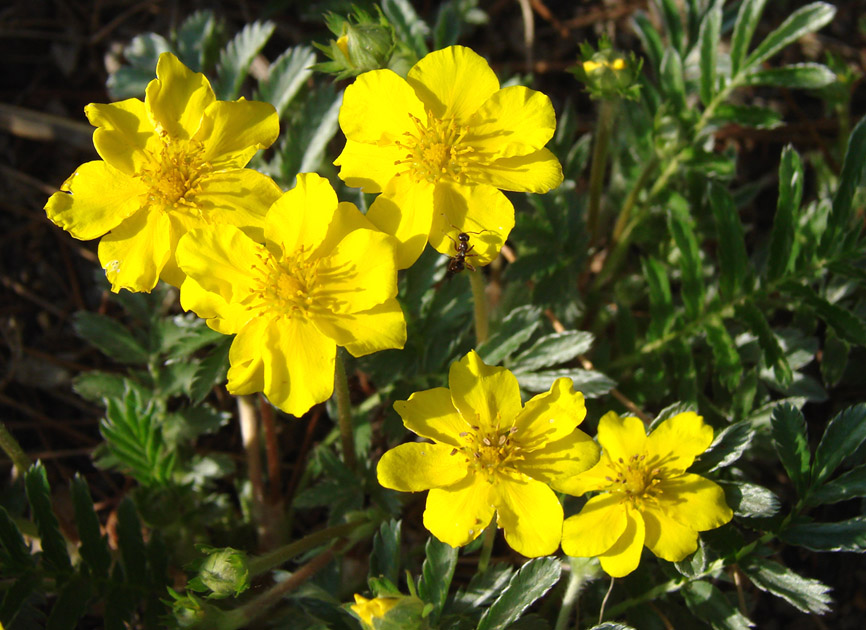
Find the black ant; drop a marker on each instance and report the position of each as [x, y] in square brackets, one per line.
[458, 261]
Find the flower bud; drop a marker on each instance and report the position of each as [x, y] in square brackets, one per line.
[608, 74]
[363, 43]
[224, 572]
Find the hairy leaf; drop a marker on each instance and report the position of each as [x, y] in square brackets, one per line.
[436, 574]
[236, 57]
[532, 581]
[806, 594]
[804, 20]
[792, 445]
[780, 258]
[847, 535]
[844, 435]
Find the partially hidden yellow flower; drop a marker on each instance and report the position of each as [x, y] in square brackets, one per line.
[324, 277]
[646, 496]
[491, 454]
[440, 145]
[170, 164]
[370, 609]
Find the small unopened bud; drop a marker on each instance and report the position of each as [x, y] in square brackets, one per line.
[224, 572]
[607, 74]
[363, 43]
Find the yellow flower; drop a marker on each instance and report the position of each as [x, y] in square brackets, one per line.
[369, 609]
[439, 145]
[647, 497]
[170, 164]
[490, 454]
[324, 277]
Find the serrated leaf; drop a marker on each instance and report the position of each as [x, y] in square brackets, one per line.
[747, 116]
[849, 181]
[408, 27]
[591, 383]
[110, 337]
[142, 53]
[780, 258]
[15, 554]
[94, 548]
[53, 543]
[532, 581]
[682, 229]
[847, 535]
[747, 19]
[792, 445]
[733, 259]
[849, 485]
[843, 435]
[195, 37]
[385, 559]
[72, 602]
[670, 411]
[672, 81]
[847, 325]
[210, 371]
[708, 42]
[554, 349]
[727, 447]
[804, 76]
[286, 76]
[709, 604]
[695, 564]
[436, 574]
[515, 330]
[834, 358]
[751, 500]
[725, 353]
[236, 57]
[806, 594]
[775, 356]
[804, 20]
[131, 543]
[96, 386]
[482, 588]
[661, 302]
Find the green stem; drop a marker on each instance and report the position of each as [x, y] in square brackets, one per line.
[487, 546]
[344, 412]
[479, 299]
[11, 447]
[569, 599]
[598, 167]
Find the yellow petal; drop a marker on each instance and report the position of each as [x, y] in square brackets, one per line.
[298, 365]
[537, 172]
[621, 437]
[97, 198]
[486, 396]
[560, 460]
[624, 556]
[482, 212]
[530, 514]
[134, 253]
[379, 328]
[232, 131]
[550, 416]
[453, 82]
[668, 538]
[456, 515]
[247, 368]
[431, 414]
[694, 501]
[420, 466]
[177, 98]
[678, 440]
[124, 133]
[513, 121]
[369, 166]
[378, 108]
[239, 197]
[299, 219]
[597, 527]
[405, 211]
[346, 220]
[596, 478]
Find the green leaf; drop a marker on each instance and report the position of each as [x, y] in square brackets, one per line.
[110, 337]
[804, 76]
[17, 595]
[685, 372]
[661, 302]
[849, 181]
[532, 581]
[554, 349]
[774, 355]
[709, 604]
[724, 352]
[610, 625]
[750, 499]
[53, 543]
[94, 548]
[788, 428]
[650, 38]
[385, 559]
[482, 588]
[195, 38]
[593, 384]
[286, 76]
[96, 386]
[806, 594]
[142, 54]
[847, 535]
[845, 323]
[436, 574]
[673, 24]
[804, 20]
[408, 27]
[316, 137]
[733, 260]
[747, 19]
[834, 358]
[15, 554]
[709, 45]
[211, 370]
[672, 81]
[72, 602]
[131, 543]
[236, 57]
[747, 116]
[515, 330]
[727, 447]
[681, 227]
[780, 259]
[850, 485]
[843, 435]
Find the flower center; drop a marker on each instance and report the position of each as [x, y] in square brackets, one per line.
[491, 451]
[173, 174]
[435, 151]
[285, 287]
[636, 480]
